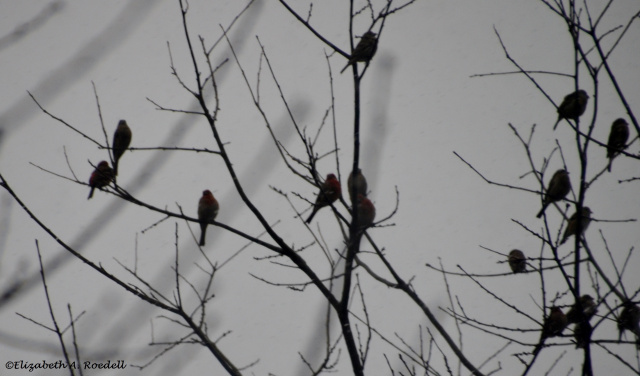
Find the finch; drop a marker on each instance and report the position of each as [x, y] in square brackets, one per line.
[330, 191]
[121, 141]
[554, 325]
[366, 212]
[100, 177]
[365, 49]
[517, 261]
[617, 139]
[207, 211]
[576, 221]
[629, 318]
[572, 106]
[357, 185]
[559, 186]
[588, 307]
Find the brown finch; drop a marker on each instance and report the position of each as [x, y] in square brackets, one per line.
[628, 319]
[121, 141]
[588, 307]
[554, 325]
[572, 106]
[366, 212]
[365, 49]
[330, 191]
[559, 186]
[517, 261]
[357, 185]
[207, 211]
[617, 139]
[100, 177]
[575, 221]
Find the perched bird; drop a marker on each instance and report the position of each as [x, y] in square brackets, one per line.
[365, 49]
[357, 185]
[554, 325]
[100, 177]
[366, 212]
[617, 139]
[559, 186]
[517, 261]
[121, 141]
[576, 221]
[582, 334]
[628, 319]
[572, 106]
[207, 211]
[330, 191]
[588, 307]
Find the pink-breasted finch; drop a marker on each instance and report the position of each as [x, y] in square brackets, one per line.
[357, 185]
[330, 191]
[575, 221]
[617, 139]
[559, 186]
[629, 319]
[572, 106]
[554, 325]
[207, 211]
[517, 261]
[121, 141]
[588, 307]
[366, 212]
[365, 49]
[100, 177]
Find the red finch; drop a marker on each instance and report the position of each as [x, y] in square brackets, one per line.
[365, 49]
[330, 191]
[554, 325]
[559, 186]
[357, 185]
[517, 261]
[576, 221]
[100, 177]
[617, 139]
[366, 212]
[588, 307]
[572, 106]
[121, 141]
[628, 319]
[207, 211]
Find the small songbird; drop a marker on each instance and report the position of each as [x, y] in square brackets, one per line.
[554, 325]
[559, 186]
[517, 261]
[574, 220]
[366, 212]
[330, 191]
[121, 141]
[207, 211]
[629, 319]
[572, 106]
[617, 139]
[365, 49]
[357, 185]
[100, 177]
[588, 307]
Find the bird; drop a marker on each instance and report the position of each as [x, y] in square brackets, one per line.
[121, 141]
[365, 49]
[366, 212]
[575, 221]
[588, 307]
[617, 139]
[559, 186]
[330, 191]
[582, 333]
[207, 211]
[357, 184]
[517, 261]
[100, 177]
[554, 325]
[628, 319]
[572, 106]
